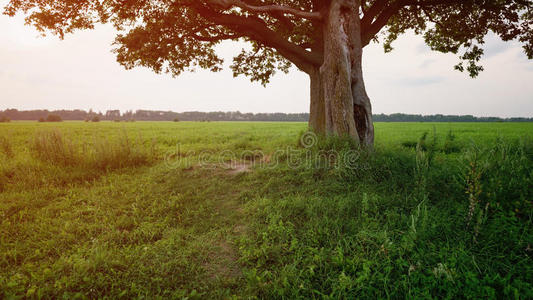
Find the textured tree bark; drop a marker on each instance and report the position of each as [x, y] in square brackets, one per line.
[317, 116]
[339, 103]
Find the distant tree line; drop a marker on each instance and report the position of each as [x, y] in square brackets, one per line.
[43, 115]
[150, 115]
[443, 118]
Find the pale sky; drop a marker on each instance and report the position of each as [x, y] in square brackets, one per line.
[80, 72]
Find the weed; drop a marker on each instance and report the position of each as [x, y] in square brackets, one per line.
[422, 142]
[422, 172]
[474, 188]
[450, 145]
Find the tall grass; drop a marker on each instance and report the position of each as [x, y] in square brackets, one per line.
[103, 153]
[53, 147]
[121, 152]
[7, 160]
[6, 147]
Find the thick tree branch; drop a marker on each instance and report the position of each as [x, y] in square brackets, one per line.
[381, 11]
[269, 9]
[284, 20]
[256, 29]
[372, 12]
[369, 31]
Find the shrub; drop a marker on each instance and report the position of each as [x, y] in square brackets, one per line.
[176, 119]
[4, 119]
[117, 120]
[95, 119]
[41, 119]
[53, 118]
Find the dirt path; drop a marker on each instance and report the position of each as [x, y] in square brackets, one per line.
[223, 263]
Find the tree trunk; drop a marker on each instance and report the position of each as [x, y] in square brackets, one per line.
[339, 103]
[317, 116]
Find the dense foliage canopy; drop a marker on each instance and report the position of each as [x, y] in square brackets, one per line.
[179, 35]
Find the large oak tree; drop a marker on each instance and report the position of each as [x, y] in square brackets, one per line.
[323, 38]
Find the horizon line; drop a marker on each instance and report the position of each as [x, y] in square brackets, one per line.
[103, 112]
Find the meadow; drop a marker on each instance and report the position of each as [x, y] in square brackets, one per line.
[231, 210]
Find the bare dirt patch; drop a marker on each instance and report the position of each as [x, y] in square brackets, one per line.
[223, 260]
[240, 167]
[224, 263]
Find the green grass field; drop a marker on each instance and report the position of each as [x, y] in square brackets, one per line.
[253, 210]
